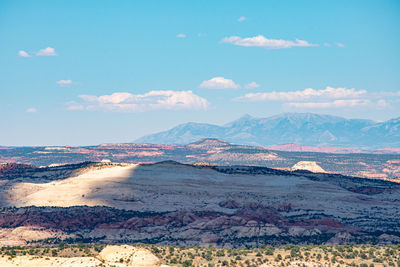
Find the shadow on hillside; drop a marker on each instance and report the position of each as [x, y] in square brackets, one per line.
[167, 183]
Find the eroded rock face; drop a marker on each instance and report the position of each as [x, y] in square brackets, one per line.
[311, 166]
[244, 227]
[172, 203]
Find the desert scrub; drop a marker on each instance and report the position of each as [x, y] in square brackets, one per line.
[351, 255]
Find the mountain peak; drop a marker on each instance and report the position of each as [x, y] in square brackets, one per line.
[246, 117]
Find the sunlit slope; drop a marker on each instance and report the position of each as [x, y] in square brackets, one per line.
[171, 186]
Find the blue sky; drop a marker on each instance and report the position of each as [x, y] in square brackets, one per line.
[90, 72]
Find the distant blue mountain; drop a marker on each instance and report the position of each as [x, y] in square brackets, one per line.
[300, 128]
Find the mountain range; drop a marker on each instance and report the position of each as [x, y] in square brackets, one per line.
[307, 129]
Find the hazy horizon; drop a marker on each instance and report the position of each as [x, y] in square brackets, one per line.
[172, 127]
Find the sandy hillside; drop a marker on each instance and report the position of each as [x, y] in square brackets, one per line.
[71, 191]
[19, 235]
[118, 256]
[133, 256]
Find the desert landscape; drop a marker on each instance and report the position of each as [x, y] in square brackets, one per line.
[367, 164]
[206, 133]
[181, 204]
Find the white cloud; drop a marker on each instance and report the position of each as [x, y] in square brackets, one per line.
[340, 103]
[31, 110]
[261, 41]
[382, 103]
[219, 83]
[252, 85]
[153, 100]
[181, 35]
[242, 18]
[23, 53]
[48, 51]
[63, 83]
[340, 44]
[308, 93]
[327, 44]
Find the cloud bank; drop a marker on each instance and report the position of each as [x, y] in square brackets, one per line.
[261, 41]
[341, 103]
[308, 93]
[153, 100]
[329, 97]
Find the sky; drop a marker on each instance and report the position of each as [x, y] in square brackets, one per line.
[90, 72]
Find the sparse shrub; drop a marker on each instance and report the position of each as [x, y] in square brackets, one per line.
[220, 253]
[278, 257]
[269, 251]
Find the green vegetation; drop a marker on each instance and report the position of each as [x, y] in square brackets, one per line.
[349, 255]
[61, 250]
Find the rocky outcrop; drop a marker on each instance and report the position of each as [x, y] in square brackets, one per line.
[311, 166]
[103, 224]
